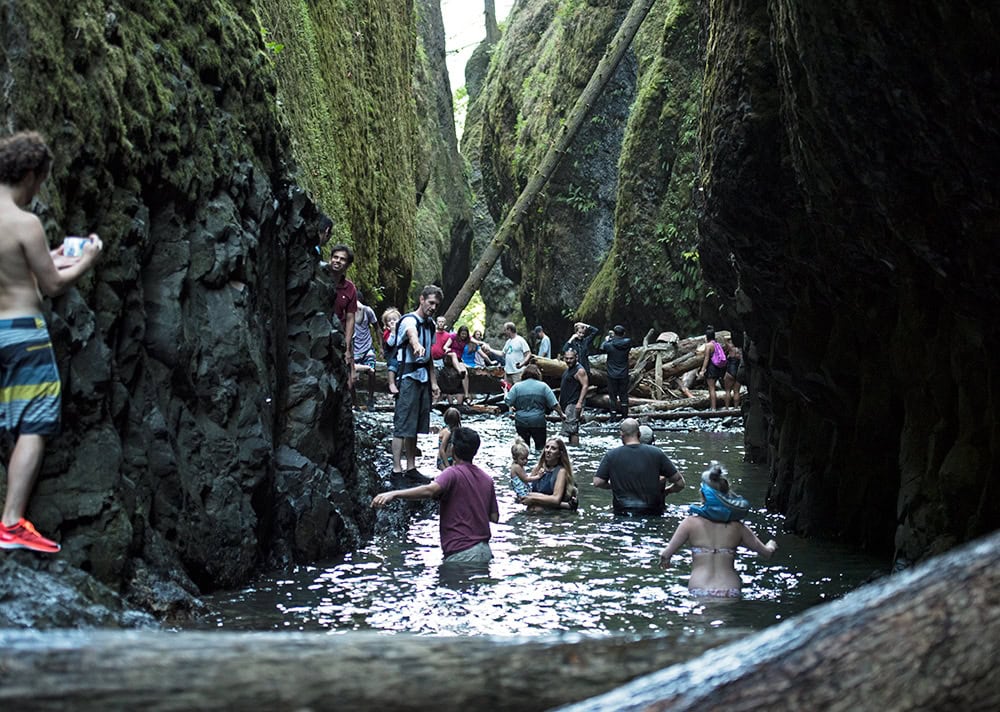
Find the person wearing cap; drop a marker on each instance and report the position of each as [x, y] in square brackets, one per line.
[617, 347]
[544, 342]
[639, 476]
[714, 531]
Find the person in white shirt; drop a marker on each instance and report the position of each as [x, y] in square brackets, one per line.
[515, 352]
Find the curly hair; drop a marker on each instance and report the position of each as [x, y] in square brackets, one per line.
[22, 153]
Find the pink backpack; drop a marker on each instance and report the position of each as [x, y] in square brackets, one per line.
[718, 355]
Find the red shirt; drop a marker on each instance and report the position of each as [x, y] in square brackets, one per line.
[346, 300]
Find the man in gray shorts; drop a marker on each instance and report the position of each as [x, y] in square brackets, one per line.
[415, 336]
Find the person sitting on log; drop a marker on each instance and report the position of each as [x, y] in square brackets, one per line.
[444, 355]
[484, 353]
[715, 531]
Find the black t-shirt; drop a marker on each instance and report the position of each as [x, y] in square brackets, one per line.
[634, 472]
[569, 387]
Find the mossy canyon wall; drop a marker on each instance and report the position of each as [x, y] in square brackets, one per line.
[207, 428]
[830, 175]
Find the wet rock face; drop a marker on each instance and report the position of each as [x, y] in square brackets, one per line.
[444, 222]
[544, 61]
[207, 430]
[849, 175]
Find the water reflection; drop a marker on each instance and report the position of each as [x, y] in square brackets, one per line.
[587, 571]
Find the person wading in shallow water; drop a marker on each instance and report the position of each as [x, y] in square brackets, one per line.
[572, 394]
[639, 476]
[715, 532]
[468, 502]
[30, 390]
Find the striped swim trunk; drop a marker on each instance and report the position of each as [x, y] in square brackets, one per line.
[30, 391]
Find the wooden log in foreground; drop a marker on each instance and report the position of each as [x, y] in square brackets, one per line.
[149, 670]
[925, 639]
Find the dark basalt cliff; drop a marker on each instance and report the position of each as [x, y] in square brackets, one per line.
[841, 166]
[207, 429]
[849, 174]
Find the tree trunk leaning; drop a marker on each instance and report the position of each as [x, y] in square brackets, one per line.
[925, 639]
[598, 80]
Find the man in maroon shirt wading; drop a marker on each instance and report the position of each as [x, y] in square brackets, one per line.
[468, 502]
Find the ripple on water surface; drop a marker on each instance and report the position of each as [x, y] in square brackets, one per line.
[588, 571]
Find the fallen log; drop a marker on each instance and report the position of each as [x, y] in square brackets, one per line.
[101, 670]
[924, 639]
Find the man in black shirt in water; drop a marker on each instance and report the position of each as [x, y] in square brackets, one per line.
[639, 476]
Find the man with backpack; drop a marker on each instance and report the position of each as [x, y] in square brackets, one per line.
[416, 380]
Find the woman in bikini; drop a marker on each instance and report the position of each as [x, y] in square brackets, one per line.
[714, 532]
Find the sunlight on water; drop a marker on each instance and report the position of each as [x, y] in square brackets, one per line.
[587, 571]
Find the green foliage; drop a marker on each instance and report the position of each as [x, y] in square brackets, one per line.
[578, 198]
[271, 46]
[474, 314]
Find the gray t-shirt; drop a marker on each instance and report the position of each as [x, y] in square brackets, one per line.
[532, 399]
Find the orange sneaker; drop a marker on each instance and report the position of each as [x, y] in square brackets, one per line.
[23, 535]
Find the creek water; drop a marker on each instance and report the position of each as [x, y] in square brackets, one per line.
[586, 571]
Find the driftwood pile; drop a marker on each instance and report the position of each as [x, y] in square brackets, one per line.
[656, 391]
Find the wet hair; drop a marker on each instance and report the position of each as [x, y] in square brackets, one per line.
[537, 330]
[325, 224]
[619, 330]
[23, 153]
[464, 443]
[569, 351]
[389, 312]
[432, 290]
[344, 248]
[563, 460]
[452, 418]
[715, 477]
[518, 448]
[709, 333]
[531, 371]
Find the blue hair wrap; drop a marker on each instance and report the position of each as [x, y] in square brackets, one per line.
[720, 507]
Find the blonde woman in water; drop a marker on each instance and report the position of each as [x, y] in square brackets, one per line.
[714, 532]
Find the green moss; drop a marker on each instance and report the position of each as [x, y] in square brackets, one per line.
[344, 80]
[652, 268]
